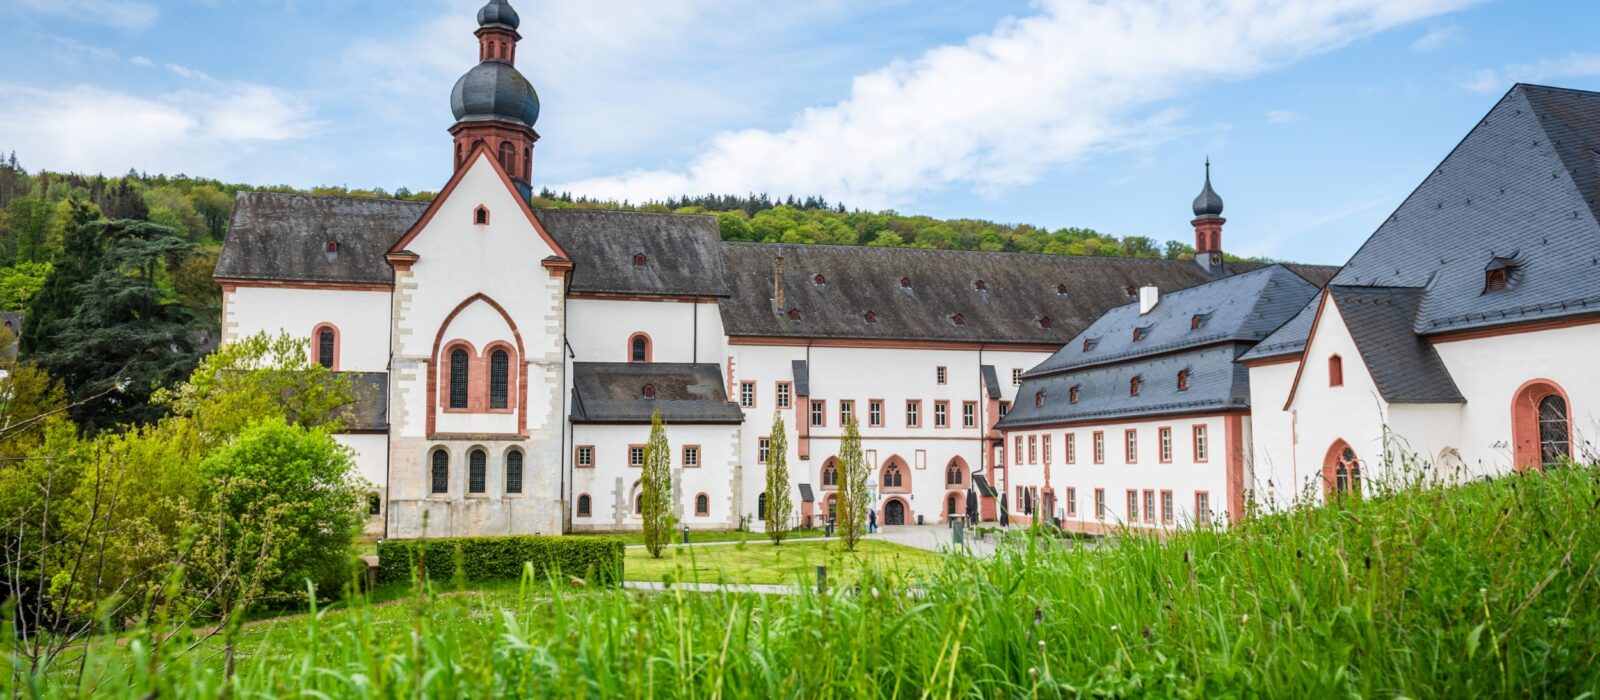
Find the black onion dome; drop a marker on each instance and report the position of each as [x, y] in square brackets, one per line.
[495, 91]
[498, 13]
[1208, 204]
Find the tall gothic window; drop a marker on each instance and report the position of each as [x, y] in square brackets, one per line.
[830, 474]
[441, 471]
[514, 471]
[892, 478]
[508, 157]
[325, 347]
[458, 378]
[1554, 444]
[499, 379]
[477, 471]
[1347, 474]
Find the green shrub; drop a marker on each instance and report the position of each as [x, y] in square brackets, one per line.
[595, 559]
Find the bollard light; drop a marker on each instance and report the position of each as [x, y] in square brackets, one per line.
[822, 578]
[686, 534]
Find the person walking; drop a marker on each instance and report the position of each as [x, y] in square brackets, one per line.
[872, 521]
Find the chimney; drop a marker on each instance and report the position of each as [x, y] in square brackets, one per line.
[777, 283]
[1148, 296]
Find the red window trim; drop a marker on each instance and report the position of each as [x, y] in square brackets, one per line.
[649, 347]
[946, 406]
[882, 406]
[1149, 502]
[777, 395]
[1199, 514]
[1131, 504]
[576, 463]
[577, 507]
[1099, 504]
[843, 404]
[478, 377]
[1069, 444]
[1164, 431]
[513, 372]
[1335, 370]
[316, 345]
[702, 513]
[1168, 515]
[480, 212]
[754, 395]
[1097, 448]
[918, 404]
[1194, 433]
[629, 455]
[700, 456]
[964, 406]
[817, 408]
[1072, 501]
[1130, 438]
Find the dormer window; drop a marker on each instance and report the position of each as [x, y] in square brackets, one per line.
[1061, 290]
[959, 320]
[1494, 280]
[1140, 333]
[871, 317]
[905, 282]
[1044, 322]
[649, 391]
[794, 314]
[1134, 385]
[1183, 380]
[1196, 321]
[980, 286]
[1133, 291]
[820, 280]
[639, 260]
[1088, 344]
[332, 246]
[480, 216]
[1072, 395]
[1038, 399]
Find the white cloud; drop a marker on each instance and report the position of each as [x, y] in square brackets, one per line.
[123, 14]
[1573, 66]
[1078, 78]
[142, 61]
[1436, 38]
[1283, 116]
[92, 129]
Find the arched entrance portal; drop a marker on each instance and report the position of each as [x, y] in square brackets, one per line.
[894, 512]
[1541, 428]
[1341, 472]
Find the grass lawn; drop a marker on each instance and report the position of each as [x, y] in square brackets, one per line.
[760, 562]
[633, 537]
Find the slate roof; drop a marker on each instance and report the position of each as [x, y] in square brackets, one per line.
[1243, 308]
[1216, 383]
[1019, 290]
[283, 237]
[1405, 367]
[682, 253]
[1522, 186]
[613, 392]
[991, 381]
[802, 377]
[371, 408]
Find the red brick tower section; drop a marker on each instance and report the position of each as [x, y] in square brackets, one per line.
[1208, 223]
[493, 103]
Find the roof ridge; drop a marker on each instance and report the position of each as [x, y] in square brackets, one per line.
[578, 210]
[351, 197]
[951, 251]
[1554, 88]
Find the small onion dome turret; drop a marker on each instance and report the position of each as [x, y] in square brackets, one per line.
[498, 13]
[495, 91]
[1208, 205]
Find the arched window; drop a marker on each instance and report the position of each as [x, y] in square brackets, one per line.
[583, 505]
[892, 478]
[480, 216]
[905, 282]
[527, 164]
[1133, 386]
[499, 379]
[980, 286]
[950, 504]
[872, 317]
[953, 475]
[794, 314]
[830, 474]
[1347, 473]
[702, 505]
[639, 260]
[477, 471]
[1061, 290]
[327, 347]
[1541, 428]
[1335, 370]
[649, 391]
[441, 471]
[458, 378]
[638, 504]
[514, 471]
[639, 348]
[820, 280]
[1044, 322]
[1555, 443]
[508, 157]
[959, 320]
[761, 506]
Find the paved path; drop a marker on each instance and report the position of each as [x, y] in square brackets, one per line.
[934, 538]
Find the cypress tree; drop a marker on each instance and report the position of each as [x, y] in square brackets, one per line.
[656, 488]
[852, 486]
[780, 506]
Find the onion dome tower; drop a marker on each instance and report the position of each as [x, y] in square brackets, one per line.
[1207, 224]
[493, 104]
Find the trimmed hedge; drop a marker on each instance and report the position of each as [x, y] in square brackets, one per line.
[480, 559]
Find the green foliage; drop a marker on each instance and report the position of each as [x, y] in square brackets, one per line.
[485, 559]
[288, 491]
[124, 338]
[655, 488]
[780, 505]
[853, 494]
[19, 283]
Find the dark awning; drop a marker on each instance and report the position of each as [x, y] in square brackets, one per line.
[982, 484]
[805, 494]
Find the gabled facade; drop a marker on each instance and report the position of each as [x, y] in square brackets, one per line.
[1455, 343]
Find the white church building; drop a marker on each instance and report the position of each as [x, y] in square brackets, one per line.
[509, 359]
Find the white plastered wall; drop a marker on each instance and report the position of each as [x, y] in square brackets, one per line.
[611, 482]
[679, 331]
[361, 316]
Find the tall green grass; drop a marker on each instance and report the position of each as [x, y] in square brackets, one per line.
[1484, 590]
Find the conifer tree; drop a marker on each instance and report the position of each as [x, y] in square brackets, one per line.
[852, 486]
[656, 488]
[779, 504]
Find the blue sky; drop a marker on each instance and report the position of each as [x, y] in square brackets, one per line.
[1319, 117]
